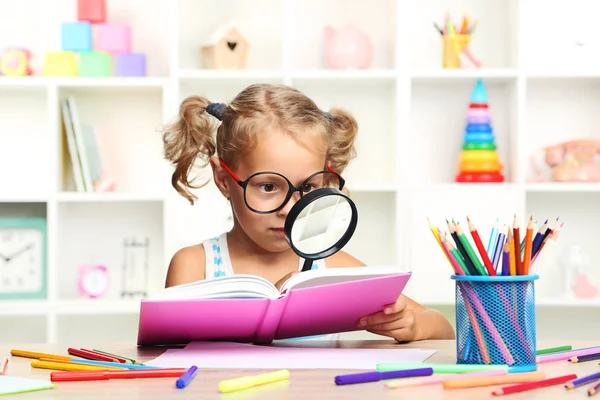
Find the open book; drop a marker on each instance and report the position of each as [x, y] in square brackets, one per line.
[250, 309]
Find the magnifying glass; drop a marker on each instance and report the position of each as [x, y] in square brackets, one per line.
[320, 224]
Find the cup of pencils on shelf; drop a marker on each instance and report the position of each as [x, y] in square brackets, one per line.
[494, 291]
[456, 43]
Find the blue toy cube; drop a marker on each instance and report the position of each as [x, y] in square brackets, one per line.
[113, 37]
[130, 64]
[76, 36]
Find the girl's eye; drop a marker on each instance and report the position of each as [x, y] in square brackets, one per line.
[267, 187]
[307, 188]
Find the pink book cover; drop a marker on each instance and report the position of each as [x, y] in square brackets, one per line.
[326, 309]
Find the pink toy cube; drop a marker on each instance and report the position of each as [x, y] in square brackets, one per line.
[113, 38]
[92, 11]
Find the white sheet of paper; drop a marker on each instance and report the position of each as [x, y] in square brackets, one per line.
[239, 355]
[16, 384]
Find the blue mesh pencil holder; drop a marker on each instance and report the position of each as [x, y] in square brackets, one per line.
[495, 321]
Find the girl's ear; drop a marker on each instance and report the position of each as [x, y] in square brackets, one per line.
[220, 176]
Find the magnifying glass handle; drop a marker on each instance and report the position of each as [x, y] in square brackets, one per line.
[307, 265]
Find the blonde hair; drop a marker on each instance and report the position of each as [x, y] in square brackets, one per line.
[258, 106]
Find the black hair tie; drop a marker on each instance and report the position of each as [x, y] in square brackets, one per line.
[216, 110]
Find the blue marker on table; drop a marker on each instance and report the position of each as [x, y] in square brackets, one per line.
[187, 376]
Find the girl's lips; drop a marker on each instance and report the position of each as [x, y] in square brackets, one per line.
[278, 230]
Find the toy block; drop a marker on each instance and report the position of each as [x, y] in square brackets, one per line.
[114, 38]
[76, 36]
[61, 63]
[94, 63]
[92, 11]
[130, 64]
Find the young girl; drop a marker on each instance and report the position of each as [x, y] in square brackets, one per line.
[273, 145]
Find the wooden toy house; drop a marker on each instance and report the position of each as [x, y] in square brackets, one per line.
[226, 49]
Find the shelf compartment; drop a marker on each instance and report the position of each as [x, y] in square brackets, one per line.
[372, 104]
[558, 110]
[25, 142]
[311, 17]
[125, 124]
[556, 263]
[260, 22]
[493, 42]
[100, 231]
[438, 120]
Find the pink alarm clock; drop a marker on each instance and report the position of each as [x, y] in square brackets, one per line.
[93, 280]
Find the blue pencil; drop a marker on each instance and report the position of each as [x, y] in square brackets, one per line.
[498, 250]
[493, 239]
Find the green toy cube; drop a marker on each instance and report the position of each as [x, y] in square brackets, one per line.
[94, 63]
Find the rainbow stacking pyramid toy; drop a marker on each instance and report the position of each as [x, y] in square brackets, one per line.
[479, 161]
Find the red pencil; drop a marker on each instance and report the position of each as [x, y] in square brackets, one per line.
[90, 355]
[521, 387]
[3, 366]
[115, 359]
[484, 255]
[69, 376]
[517, 240]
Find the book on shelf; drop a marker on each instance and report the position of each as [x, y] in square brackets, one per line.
[85, 155]
[249, 308]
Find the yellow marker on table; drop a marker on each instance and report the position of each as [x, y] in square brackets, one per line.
[245, 382]
[63, 366]
[34, 354]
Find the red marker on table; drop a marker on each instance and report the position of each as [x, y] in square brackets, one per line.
[68, 376]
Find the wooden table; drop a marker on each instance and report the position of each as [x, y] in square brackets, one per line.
[303, 384]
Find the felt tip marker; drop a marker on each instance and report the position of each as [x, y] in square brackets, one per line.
[186, 378]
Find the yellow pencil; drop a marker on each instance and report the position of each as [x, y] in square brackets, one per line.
[34, 354]
[511, 247]
[434, 229]
[63, 366]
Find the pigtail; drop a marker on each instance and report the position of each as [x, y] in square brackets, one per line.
[189, 137]
[343, 134]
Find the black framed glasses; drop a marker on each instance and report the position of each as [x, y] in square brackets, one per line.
[268, 192]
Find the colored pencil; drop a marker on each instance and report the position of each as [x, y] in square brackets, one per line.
[506, 260]
[479, 381]
[436, 234]
[522, 387]
[538, 237]
[585, 357]
[517, 241]
[3, 366]
[511, 248]
[482, 252]
[594, 389]
[398, 383]
[499, 249]
[493, 238]
[471, 253]
[582, 381]
[461, 249]
[528, 244]
[551, 350]
[565, 355]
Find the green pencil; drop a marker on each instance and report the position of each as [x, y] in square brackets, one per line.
[465, 242]
[441, 368]
[553, 350]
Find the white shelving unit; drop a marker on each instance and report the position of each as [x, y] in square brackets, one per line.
[411, 114]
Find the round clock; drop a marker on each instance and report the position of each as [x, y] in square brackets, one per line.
[93, 280]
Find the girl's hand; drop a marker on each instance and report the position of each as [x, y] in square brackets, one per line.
[395, 321]
[280, 282]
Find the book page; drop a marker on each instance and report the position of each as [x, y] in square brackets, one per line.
[319, 277]
[235, 286]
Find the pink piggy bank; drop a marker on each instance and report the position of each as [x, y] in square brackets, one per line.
[347, 48]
